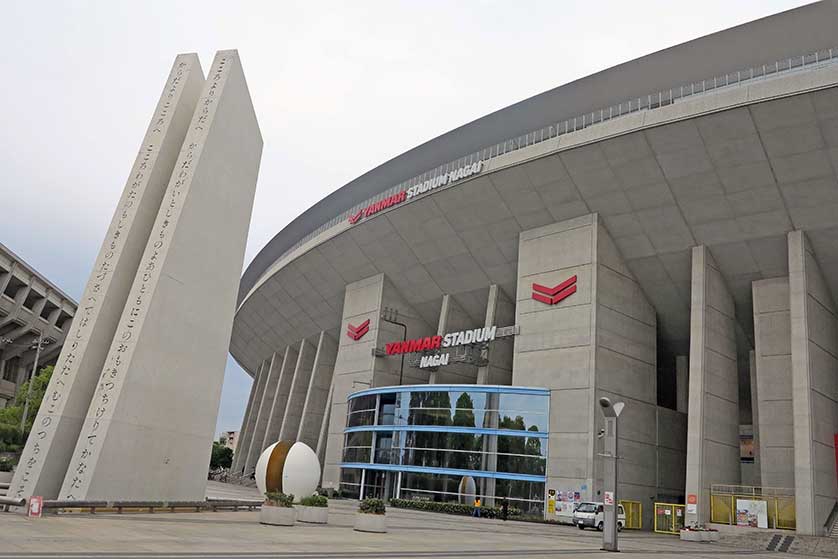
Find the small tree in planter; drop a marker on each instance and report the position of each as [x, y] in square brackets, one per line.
[371, 516]
[278, 509]
[313, 509]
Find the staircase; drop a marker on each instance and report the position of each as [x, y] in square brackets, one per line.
[4, 489]
[833, 518]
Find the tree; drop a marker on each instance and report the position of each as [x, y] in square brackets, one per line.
[11, 439]
[222, 456]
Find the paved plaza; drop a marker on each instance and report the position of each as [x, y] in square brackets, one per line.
[239, 534]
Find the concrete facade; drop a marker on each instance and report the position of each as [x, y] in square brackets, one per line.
[356, 364]
[713, 425]
[772, 334]
[167, 338]
[599, 341]
[814, 387]
[47, 454]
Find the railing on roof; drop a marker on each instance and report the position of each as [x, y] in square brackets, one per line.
[649, 102]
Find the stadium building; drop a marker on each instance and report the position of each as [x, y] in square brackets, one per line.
[663, 232]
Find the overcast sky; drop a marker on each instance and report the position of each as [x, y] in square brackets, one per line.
[339, 88]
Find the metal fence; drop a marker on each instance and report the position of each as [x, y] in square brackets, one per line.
[644, 103]
[669, 518]
[780, 504]
[634, 514]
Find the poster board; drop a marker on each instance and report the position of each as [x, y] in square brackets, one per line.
[751, 514]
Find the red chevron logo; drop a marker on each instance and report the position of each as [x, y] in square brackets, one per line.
[353, 219]
[553, 295]
[357, 332]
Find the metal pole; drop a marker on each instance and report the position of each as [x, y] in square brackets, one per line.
[609, 534]
[29, 389]
[610, 498]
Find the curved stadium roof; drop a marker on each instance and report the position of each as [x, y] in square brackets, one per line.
[794, 32]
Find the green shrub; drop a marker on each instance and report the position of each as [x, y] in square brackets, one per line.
[315, 501]
[278, 499]
[6, 465]
[372, 506]
[451, 508]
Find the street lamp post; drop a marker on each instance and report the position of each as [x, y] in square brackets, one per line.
[38, 345]
[609, 533]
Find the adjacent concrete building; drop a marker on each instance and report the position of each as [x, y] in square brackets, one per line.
[664, 233]
[31, 308]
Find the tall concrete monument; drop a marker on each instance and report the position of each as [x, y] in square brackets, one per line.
[137, 428]
[57, 426]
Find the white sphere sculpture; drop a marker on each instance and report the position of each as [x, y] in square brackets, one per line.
[291, 468]
[467, 490]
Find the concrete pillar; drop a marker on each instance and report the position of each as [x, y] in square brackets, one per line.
[323, 436]
[682, 383]
[500, 311]
[452, 318]
[713, 422]
[357, 367]
[318, 390]
[297, 392]
[814, 384]
[752, 379]
[263, 412]
[599, 340]
[248, 412]
[280, 398]
[175, 329]
[246, 439]
[773, 412]
[47, 455]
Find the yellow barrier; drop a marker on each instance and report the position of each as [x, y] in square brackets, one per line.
[669, 518]
[634, 514]
[780, 508]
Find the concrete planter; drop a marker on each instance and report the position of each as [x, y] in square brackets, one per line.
[6, 477]
[375, 523]
[699, 536]
[312, 515]
[277, 516]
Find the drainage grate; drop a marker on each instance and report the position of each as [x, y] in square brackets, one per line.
[784, 547]
[775, 539]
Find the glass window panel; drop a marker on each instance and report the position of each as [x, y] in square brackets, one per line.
[360, 418]
[360, 438]
[362, 403]
[357, 454]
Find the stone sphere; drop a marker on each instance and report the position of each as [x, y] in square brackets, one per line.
[290, 468]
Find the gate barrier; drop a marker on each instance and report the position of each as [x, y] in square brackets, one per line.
[781, 511]
[669, 518]
[634, 514]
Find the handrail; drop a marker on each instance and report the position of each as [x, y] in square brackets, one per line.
[12, 501]
[649, 102]
[209, 504]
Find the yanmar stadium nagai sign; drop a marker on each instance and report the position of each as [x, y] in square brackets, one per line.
[441, 342]
[416, 190]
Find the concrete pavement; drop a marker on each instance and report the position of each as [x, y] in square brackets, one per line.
[412, 534]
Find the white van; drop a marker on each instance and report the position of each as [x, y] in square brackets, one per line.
[591, 515]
